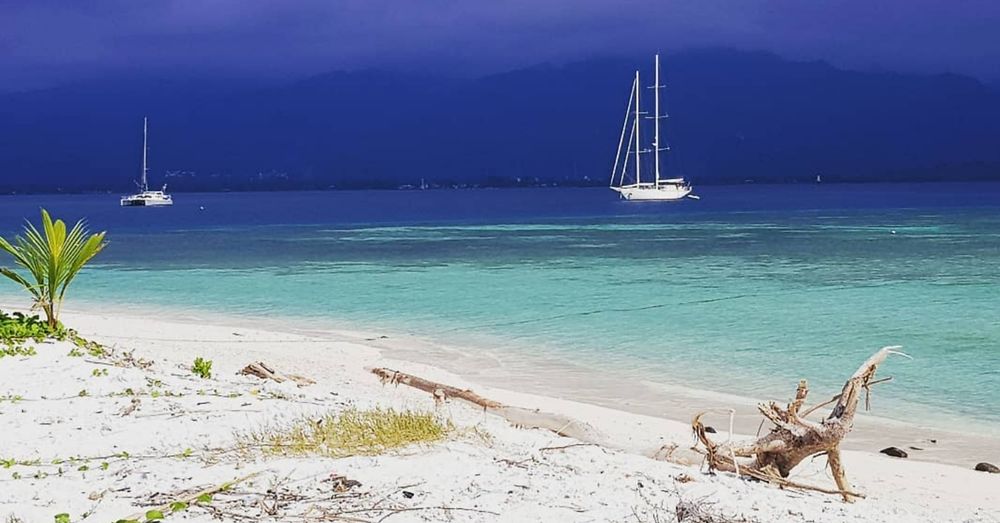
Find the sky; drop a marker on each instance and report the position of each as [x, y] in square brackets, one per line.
[48, 42]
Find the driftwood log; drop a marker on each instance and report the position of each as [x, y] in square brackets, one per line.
[794, 438]
[264, 372]
[529, 418]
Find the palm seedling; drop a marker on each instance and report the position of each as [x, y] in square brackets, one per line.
[52, 257]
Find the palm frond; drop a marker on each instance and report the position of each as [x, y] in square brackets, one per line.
[52, 258]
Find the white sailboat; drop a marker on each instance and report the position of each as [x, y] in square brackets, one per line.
[145, 197]
[629, 184]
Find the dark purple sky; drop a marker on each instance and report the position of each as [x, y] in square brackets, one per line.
[45, 41]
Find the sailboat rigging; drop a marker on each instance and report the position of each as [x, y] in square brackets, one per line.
[629, 185]
[145, 197]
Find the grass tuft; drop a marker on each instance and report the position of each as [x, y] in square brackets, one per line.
[353, 432]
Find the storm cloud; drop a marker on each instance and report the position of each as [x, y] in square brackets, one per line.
[44, 42]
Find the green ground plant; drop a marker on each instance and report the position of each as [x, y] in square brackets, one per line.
[202, 367]
[17, 328]
[52, 258]
[352, 432]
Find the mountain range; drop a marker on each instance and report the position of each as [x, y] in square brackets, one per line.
[733, 117]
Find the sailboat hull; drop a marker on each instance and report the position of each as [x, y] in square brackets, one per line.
[126, 202]
[147, 199]
[663, 193]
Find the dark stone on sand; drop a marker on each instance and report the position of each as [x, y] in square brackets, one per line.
[407, 494]
[895, 452]
[710, 429]
[988, 467]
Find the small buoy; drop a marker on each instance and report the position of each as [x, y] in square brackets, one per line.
[202, 208]
[893, 231]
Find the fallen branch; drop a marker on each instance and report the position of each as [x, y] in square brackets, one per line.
[793, 438]
[564, 447]
[262, 371]
[557, 423]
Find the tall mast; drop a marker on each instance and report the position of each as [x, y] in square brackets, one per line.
[656, 116]
[636, 129]
[145, 184]
[621, 139]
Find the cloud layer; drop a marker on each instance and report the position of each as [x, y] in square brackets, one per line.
[45, 41]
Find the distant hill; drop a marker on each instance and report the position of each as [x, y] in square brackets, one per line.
[734, 116]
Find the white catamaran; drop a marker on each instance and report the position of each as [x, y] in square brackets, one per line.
[628, 183]
[145, 197]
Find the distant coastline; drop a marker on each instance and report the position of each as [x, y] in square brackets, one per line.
[986, 173]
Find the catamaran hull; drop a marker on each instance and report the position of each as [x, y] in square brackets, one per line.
[664, 193]
[145, 203]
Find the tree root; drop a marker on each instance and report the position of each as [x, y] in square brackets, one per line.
[793, 438]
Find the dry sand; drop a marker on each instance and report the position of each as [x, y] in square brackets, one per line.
[97, 459]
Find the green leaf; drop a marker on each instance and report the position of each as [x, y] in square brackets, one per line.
[52, 258]
[204, 498]
[154, 515]
[178, 506]
[62, 518]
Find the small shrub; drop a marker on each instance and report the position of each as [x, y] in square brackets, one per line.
[202, 368]
[353, 432]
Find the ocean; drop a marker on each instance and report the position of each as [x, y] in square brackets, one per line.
[743, 292]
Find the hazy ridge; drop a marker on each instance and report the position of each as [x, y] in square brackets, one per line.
[734, 116]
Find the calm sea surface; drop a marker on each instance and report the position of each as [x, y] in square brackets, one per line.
[748, 289]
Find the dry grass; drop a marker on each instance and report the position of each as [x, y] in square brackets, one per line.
[351, 433]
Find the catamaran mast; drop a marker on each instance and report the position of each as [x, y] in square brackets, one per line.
[656, 117]
[145, 184]
[636, 129]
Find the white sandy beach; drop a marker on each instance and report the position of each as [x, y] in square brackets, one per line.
[69, 450]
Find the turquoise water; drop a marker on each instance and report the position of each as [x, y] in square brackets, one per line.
[748, 290]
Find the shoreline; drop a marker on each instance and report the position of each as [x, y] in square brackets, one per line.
[551, 377]
[502, 471]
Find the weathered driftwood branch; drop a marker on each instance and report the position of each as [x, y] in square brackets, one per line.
[793, 438]
[262, 371]
[561, 425]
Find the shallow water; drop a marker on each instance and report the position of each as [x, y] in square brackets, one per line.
[743, 292]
